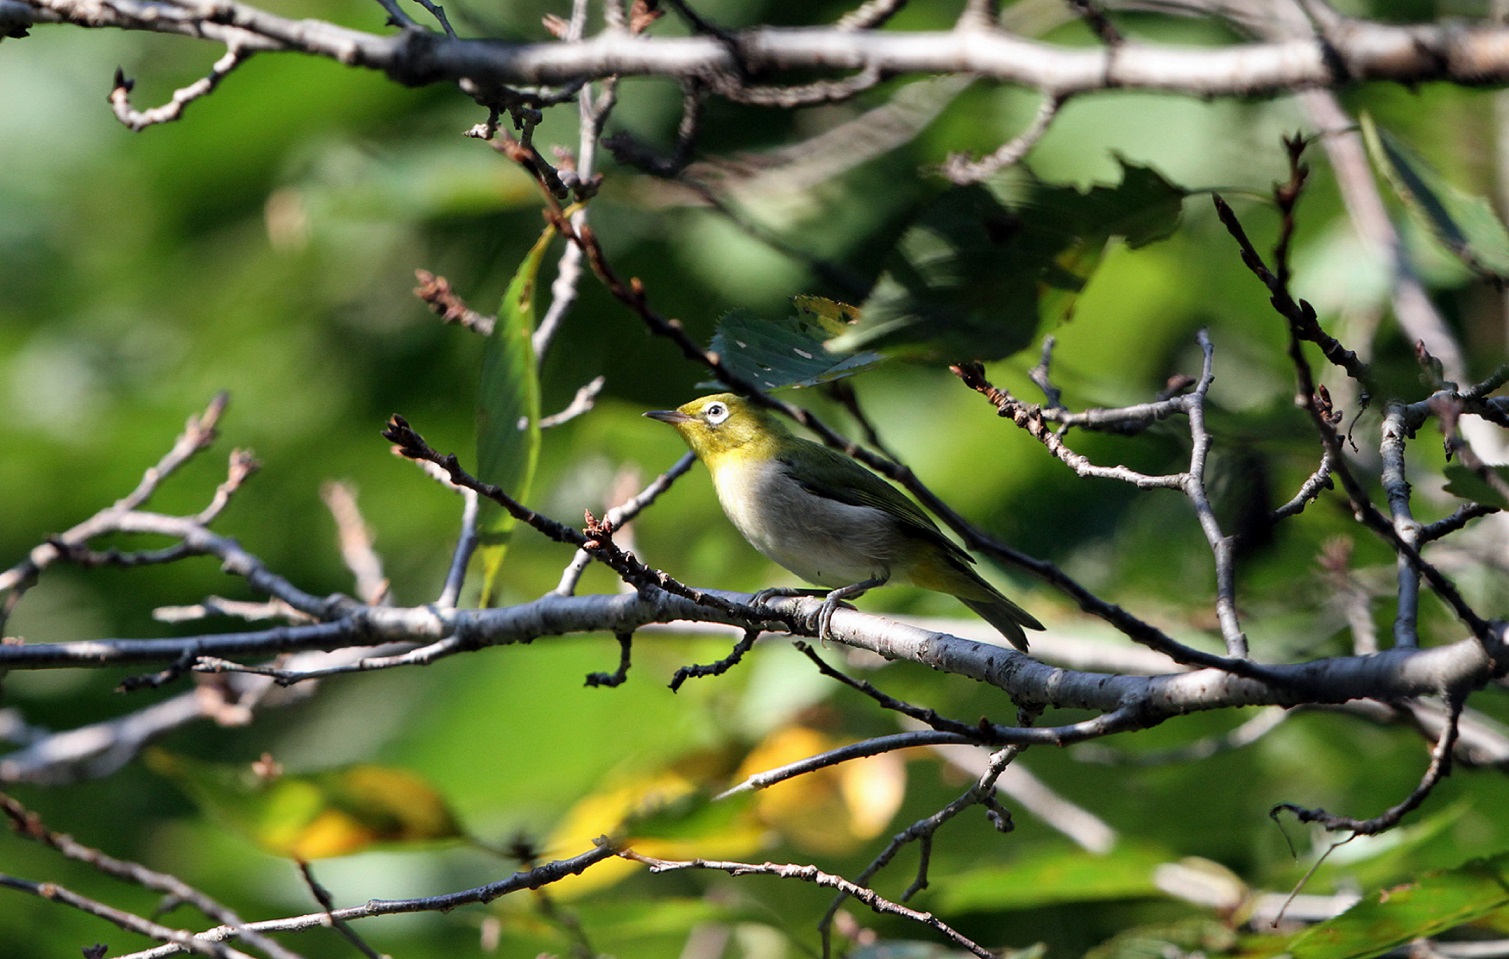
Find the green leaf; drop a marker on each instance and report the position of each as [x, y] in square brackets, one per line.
[983, 266]
[333, 812]
[791, 352]
[508, 414]
[1463, 482]
[1398, 915]
[1195, 936]
[1053, 878]
[1464, 223]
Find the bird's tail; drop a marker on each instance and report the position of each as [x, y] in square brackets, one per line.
[954, 576]
[1005, 616]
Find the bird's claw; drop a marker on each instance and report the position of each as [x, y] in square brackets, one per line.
[825, 616]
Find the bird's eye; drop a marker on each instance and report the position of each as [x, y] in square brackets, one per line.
[715, 413]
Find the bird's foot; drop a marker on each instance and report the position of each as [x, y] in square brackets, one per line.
[835, 599]
[777, 592]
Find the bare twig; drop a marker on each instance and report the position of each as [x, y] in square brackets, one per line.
[28, 825]
[322, 896]
[355, 540]
[532, 878]
[1439, 768]
[445, 303]
[816, 876]
[582, 402]
[136, 120]
[960, 169]
[719, 667]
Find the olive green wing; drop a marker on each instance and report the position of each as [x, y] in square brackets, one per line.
[830, 474]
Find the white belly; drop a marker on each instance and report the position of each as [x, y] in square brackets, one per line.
[821, 540]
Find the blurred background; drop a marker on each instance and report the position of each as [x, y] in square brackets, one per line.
[266, 245]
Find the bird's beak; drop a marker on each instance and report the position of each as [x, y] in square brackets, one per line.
[672, 417]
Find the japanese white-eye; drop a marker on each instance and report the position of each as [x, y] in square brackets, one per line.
[826, 518]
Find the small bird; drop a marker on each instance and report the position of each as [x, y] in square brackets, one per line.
[826, 518]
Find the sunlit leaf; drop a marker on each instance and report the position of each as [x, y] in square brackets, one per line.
[983, 266]
[1464, 223]
[333, 812]
[790, 352]
[508, 413]
[1413, 910]
[1463, 482]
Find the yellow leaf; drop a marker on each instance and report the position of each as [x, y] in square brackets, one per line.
[831, 810]
[333, 812]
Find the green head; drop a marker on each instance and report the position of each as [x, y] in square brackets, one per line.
[724, 424]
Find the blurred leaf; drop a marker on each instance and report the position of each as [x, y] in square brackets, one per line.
[668, 915]
[508, 413]
[1392, 917]
[1375, 860]
[1052, 878]
[831, 810]
[1464, 223]
[906, 949]
[1185, 937]
[984, 265]
[334, 812]
[665, 814]
[1463, 482]
[790, 352]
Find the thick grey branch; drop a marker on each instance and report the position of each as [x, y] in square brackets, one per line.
[1135, 700]
[1351, 51]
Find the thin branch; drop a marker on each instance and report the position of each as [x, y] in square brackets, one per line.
[182, 941]
[582, 402]
[1249, 732]
[923, 830]
[28, 825]
[620, 515]
[1222, 547]
[927, 717]
[445, 303]
[592, 117]
[874, 746]
[1458, 520]
[719, 667]
[1036, 798]
[618, 676]
[1439, 768]
[1033, 420]
[960, 169]
[1301, 315]
[1310, 489]
[869, 15]
[322, 896]
[355, 539]
[198, 434]
[1396, 487]
[816, 876]
[137, 120]
[533, 878]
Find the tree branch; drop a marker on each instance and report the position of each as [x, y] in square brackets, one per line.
[1351, 51]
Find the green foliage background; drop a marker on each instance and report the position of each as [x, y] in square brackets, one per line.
[266, 245]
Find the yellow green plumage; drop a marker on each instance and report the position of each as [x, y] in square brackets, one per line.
[826, 518]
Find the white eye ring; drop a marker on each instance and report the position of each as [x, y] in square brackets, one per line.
[715, 414]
